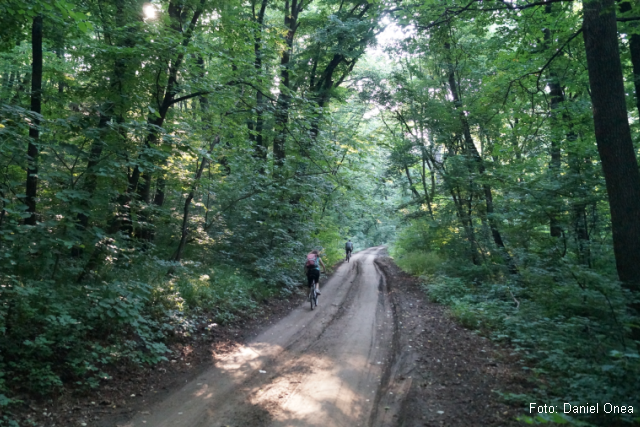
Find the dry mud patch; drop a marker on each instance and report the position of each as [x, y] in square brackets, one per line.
[443, 374]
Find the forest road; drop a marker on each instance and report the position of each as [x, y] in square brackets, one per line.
[324, 367]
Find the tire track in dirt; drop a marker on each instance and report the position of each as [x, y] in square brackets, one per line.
[441, 374]
[313, 368]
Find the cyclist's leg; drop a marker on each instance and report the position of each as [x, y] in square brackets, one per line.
[313, 299]
[316, 278]
[310, 281]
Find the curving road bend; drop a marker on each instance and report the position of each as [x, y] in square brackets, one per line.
[313, 368]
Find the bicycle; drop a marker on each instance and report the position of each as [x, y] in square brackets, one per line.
[348, 255]
[313, 295]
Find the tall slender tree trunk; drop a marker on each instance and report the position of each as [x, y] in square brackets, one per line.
[467, 225]
[145, 231]
[107, 111]
[555, 229]
[427, 199]
[291, 11]
[187, 203]
[613, 137]
[556, 99]
[7, 82]
[34, 129]
[168, 96]
[634, 50]
[411, 186]
[261, 146]
[91, 180]
[60, 55]
[472, 152]
[579, 167]
[113, 107]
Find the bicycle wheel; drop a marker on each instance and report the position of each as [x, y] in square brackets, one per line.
[313, 298]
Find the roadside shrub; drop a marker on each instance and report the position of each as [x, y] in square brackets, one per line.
[464, 313]
[56, 333]
[419, 263]
[446, 290]
[572, 334]
[223, 292]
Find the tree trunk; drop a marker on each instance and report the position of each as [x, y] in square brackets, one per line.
[579, 167]
[556, 99]
[261, 146]
[91, 180]
[467, 225]
[190, 196]
[167, 94]
[424, 186]
[555, 229]
[411, 186]
[145, 231]
[472, 151]
[108, 110]
[613, 137]
[284, 99]
[34, 129]
[634, 50]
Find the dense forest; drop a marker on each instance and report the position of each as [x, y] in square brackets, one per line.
[170, 162]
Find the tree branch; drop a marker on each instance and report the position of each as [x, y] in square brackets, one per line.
[558, 52]
[192, 95]
[452, 13]
[628, 19]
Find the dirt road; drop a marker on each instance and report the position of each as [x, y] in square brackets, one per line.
[376, 352]
[313, 368]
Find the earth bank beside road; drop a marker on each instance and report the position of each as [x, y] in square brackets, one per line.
[427, 371]
[443, 374]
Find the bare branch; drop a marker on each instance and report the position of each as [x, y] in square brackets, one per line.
[450, 13]
[628, 19]
[192, 95]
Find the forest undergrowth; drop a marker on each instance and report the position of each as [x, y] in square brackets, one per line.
[64, 336]
[565, 323]
[169, 163]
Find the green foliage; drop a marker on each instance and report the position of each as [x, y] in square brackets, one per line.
[57, 334]
[223, 293]
[493, 153]
[330, 238]
[160, 204]
[163, 201]
[554, 330]
[419, 263]
[47, 330]
[554, 418]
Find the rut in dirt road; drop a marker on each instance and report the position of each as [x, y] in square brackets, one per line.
[313, 368]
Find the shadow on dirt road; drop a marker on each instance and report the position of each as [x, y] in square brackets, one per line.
[374, 353]
[321, 367]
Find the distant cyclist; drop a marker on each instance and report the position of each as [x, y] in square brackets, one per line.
[348, 247]
[312, 267]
